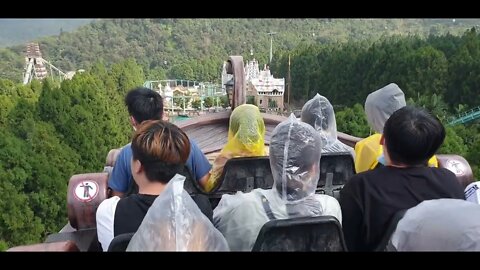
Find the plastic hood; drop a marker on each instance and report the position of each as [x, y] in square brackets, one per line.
[295, 149]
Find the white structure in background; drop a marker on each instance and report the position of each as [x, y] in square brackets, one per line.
[166, 92]
[266, 90]
[36, 66]
[225, 78]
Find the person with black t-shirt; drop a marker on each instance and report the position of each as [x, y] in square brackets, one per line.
[159, 152]
[370, 199]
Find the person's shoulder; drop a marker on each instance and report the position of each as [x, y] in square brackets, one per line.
[110, 201]
[326, 199]
[242, 200]
[193, 143]
[107, 205]
[234, 205]
[373, 137]
[194, 147]
[370, 174]
[359, 181]
[444, 173]
[125, 150]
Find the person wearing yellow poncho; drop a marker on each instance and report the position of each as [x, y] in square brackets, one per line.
[379, 106]
[246, 135]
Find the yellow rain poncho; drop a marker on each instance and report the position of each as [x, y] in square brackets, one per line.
[246, 135]
[367, 153]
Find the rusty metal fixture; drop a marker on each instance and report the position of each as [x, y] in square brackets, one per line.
[235, 66]
[64, 246]
[85, 193]
[459, 166]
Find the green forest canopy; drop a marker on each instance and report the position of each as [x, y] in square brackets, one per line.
[197, 47]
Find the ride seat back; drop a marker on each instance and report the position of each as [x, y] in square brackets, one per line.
[120, 242]
[459, 166]
[240, 174]
[85, 193]
[245, 174]
[392, 226]
[323, 233]
[335, 170]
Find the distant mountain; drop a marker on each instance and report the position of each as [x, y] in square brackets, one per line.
[17, 31]
[195, 48]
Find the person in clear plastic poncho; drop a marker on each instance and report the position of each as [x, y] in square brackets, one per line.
[439, 225]
[175, 223]
[319, 113]
[245, 139]
[295, 150]
[379, 106]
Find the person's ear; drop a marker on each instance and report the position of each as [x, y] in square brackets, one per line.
[137, 166]
[382, 140]
[133, 122]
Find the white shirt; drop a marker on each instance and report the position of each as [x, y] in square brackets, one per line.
[105, 217]
[240, 217]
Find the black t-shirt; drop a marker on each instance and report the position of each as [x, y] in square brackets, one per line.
[370, 199]
[131, 210]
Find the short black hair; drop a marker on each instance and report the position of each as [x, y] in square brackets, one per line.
[162, 148]
[413, 135]
[144, 104]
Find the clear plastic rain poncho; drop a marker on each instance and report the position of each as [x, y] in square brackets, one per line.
[246, 138]
[319, 113]
[295, 150]
[439, 225]
[175, 223]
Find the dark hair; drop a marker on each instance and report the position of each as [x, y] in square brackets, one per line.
[162, 148]
[413, 135]
[144, 104]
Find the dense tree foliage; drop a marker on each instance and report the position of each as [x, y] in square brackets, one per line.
[195, 48]
[48, 132]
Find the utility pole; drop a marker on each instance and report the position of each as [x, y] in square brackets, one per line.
[271, 45]
[289, 83]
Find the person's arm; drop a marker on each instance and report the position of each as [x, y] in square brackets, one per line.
[118, 180]
[198, 164]
[351, 217]
[118, 193]
[215, 173]
[105, 217]
[204, 180]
